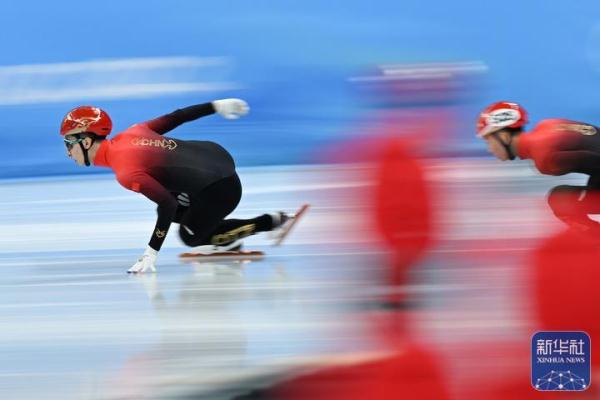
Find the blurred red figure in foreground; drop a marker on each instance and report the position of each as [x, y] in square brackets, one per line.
[400, 212]
[409, 106]
[402, 208]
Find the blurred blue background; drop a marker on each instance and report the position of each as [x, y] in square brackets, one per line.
[291, 60]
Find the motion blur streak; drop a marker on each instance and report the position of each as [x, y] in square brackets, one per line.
[110, 79]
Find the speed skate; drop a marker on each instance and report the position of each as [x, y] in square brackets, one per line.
[229, 254]
[234, 250]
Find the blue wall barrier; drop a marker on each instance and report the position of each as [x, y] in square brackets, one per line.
[290, 60]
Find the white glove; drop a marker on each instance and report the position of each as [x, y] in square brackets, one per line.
[145, 263]
[231, 108]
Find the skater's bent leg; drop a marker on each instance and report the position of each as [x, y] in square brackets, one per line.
[590, 199]
[204, 222]
[230, 230]
[226, 231]
[208, 208]
[572, 204]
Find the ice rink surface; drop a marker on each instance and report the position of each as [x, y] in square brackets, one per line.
[74, 325]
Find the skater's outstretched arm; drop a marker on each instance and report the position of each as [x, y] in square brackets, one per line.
[167, 207]
[153, 190]
[168, 122]
[228, 108]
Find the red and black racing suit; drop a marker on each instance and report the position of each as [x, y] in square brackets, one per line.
[558, 147]
[160, 168]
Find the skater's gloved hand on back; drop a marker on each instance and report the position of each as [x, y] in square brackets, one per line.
[145, 263]
[231, 108]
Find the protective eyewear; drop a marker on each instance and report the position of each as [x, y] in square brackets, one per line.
[71, 142]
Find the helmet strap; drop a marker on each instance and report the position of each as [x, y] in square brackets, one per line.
[86, 157]
[511, 155]
[507, 147]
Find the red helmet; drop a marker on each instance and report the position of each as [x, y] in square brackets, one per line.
[86, 119]
[501, 115]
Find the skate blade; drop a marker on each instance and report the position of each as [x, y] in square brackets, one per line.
[225, 255]
[286, 231]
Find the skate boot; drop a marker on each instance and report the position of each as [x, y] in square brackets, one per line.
[280, 219]
[208, 249]
[283, 224]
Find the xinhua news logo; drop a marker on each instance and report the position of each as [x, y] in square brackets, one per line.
[560, 361]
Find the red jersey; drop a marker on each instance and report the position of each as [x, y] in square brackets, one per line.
[141, 158]
[560, 146]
